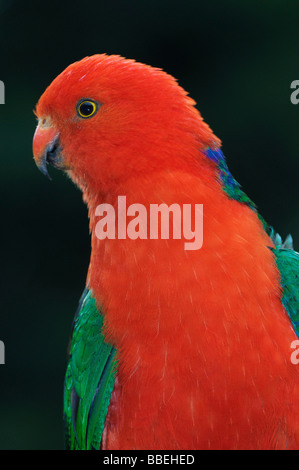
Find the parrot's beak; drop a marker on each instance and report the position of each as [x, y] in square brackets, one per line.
[46, 147]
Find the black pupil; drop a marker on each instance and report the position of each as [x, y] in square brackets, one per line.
[86, 109]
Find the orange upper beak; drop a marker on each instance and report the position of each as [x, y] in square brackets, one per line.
[46, 148]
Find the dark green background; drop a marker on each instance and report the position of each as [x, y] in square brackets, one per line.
[236, 58]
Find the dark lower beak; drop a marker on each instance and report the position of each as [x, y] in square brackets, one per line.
[47, 149]
[51, 156]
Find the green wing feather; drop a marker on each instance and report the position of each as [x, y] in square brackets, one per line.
[89, 379]
[287, 261]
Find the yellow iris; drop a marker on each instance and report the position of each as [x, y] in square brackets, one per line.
[87, 108]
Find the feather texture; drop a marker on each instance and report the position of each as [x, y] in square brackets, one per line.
[89, 378]
[171, 349]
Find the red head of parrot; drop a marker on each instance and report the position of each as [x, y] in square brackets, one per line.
[107, 119]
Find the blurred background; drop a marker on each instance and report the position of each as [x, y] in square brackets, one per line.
[237, 59]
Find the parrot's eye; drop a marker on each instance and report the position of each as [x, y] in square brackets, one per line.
[87, 108]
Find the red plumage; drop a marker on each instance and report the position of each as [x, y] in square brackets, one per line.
[202, 337]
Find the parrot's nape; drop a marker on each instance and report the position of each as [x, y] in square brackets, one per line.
[170, 348]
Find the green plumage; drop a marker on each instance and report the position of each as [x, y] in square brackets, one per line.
[287, 261]
[89, 378]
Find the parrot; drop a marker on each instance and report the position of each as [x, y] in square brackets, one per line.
[170, 348]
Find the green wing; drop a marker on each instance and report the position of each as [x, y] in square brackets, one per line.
[89, 379]
[287, 261]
